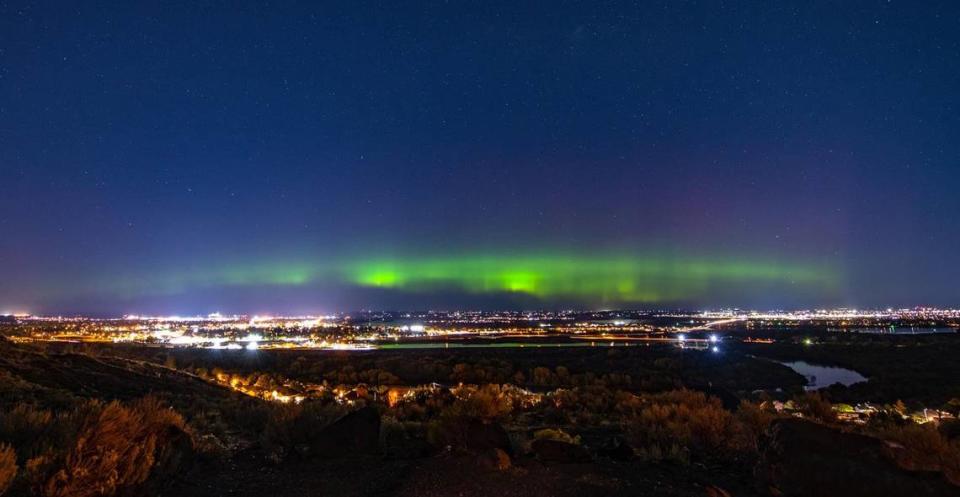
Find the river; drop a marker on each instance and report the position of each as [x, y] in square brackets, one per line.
[823, 376]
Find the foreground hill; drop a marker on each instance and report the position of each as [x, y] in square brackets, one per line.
[34, 374]
[98, 424]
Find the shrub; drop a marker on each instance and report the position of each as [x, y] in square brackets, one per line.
[924, 448]
[26, 428]
[672, 424]
[673, 453]
[8, 467]
[556, 434]
[813, 405]
[118, 447]
[752, 421]
[490, 401]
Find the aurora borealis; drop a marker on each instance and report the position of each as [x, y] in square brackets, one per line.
[575, 279]
[607, 279]
[216, 157]
[612, 279]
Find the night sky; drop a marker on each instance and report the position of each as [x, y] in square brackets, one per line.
[191, 157]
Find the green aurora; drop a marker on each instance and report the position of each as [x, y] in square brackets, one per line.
[587, 278]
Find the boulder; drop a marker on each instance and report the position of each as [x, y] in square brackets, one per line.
[494, 459]
[355, 433]
[480, 435]
[556, 451]
[801, 458]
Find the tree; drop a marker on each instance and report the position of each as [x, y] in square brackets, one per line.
[813, 405]
[900, 407]
[953, 406]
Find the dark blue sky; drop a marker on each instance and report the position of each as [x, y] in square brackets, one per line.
[151, 151]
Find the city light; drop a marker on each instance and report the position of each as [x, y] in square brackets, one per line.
[364, 331]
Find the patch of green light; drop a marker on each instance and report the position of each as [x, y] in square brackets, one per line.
[272, 274]
[521, 281]
[173, 282]
[378, 276]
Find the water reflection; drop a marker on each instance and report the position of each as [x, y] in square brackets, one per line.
[823, 376]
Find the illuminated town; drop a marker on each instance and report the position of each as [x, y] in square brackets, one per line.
[709, 331]
[370, 330]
